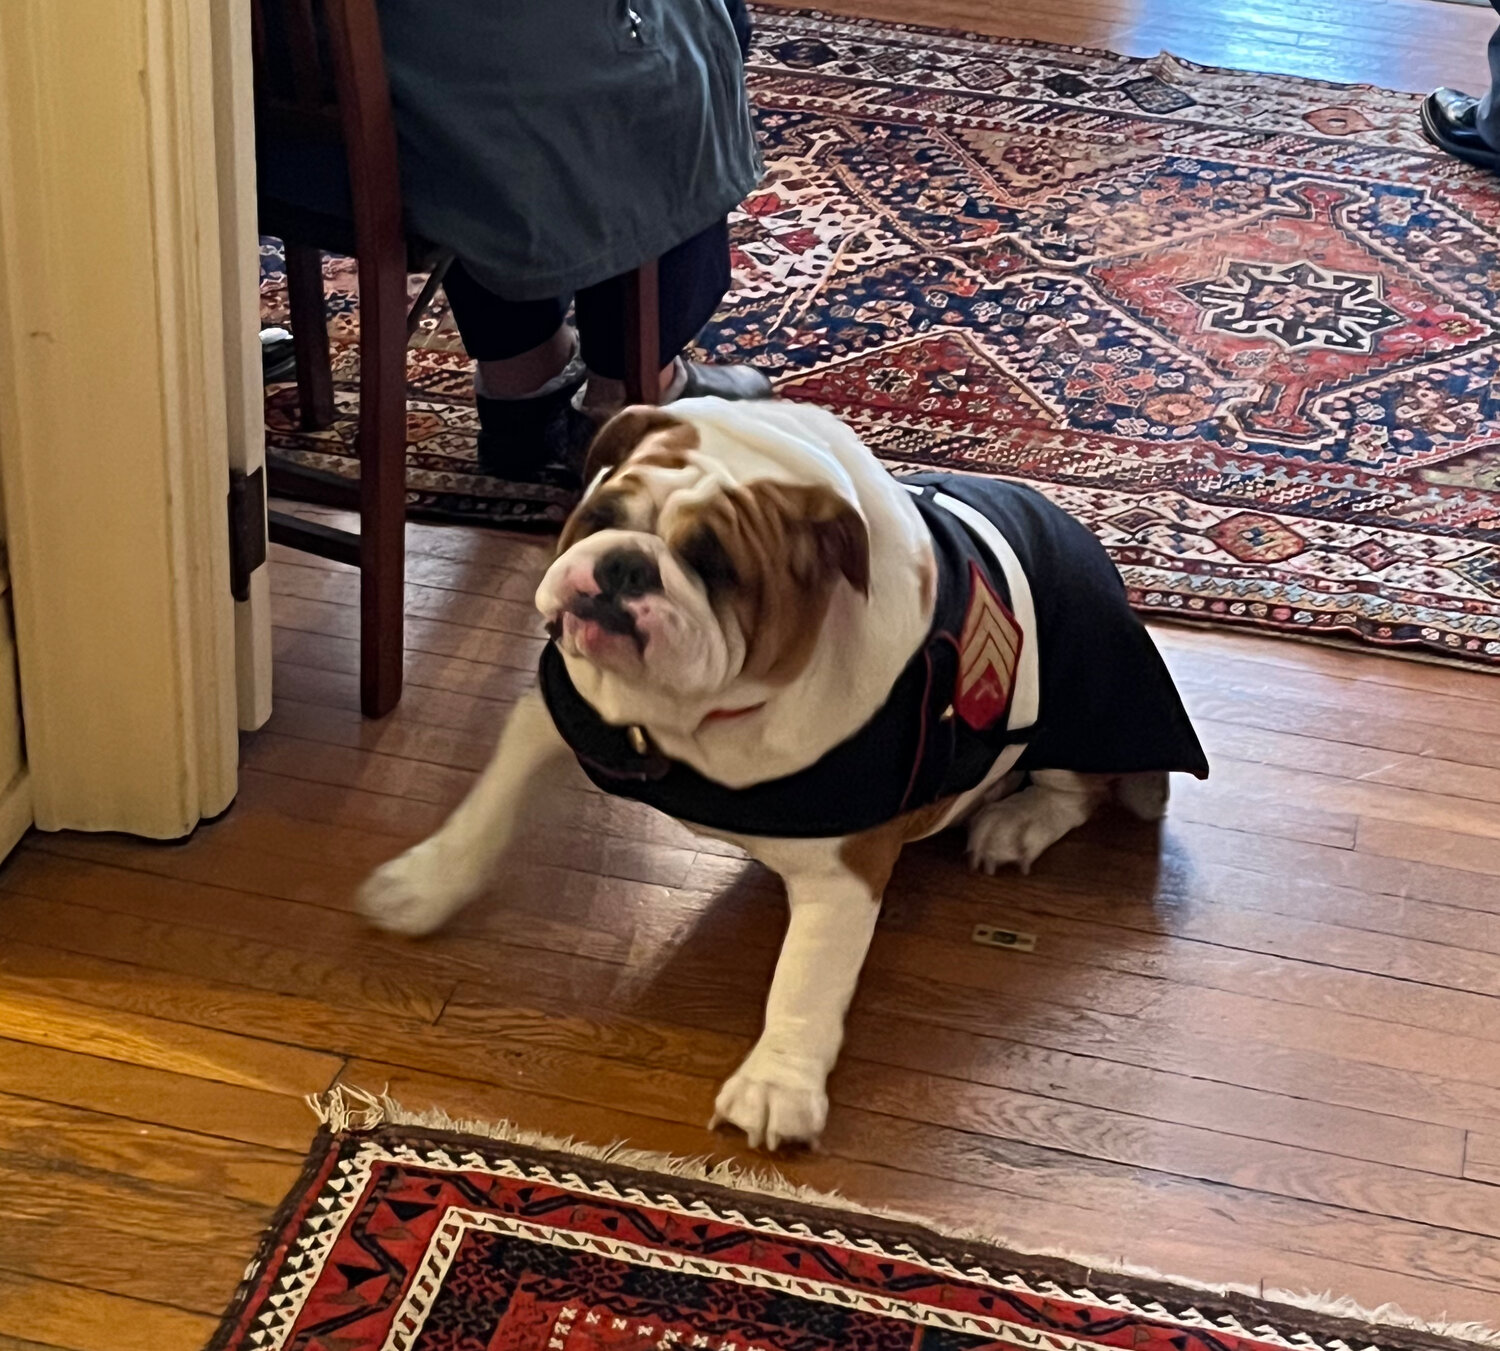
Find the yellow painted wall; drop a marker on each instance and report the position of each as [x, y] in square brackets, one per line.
[112, 411]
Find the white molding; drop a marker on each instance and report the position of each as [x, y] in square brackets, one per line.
[112, 413]
[15, 812]
[239, 233]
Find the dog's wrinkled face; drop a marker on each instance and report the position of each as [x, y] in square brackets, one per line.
[677, 580]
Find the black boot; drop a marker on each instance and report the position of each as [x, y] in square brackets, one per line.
[542, 439]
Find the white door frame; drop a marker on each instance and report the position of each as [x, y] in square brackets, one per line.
[239, 238]
[114, 429]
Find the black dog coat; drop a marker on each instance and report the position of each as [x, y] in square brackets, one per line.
[1104, 702]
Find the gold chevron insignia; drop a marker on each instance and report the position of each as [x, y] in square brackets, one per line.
[988, 651]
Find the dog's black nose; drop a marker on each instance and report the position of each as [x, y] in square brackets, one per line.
[626, 573]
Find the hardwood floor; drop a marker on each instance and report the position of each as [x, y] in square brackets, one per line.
[1262, 1047]
[1265, 1047]
[1400, 44]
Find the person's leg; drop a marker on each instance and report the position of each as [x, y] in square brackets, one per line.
[692, 280]
[1464, 126]
[1487, 114]
[518, 345]
[744, 29]
[527, 371]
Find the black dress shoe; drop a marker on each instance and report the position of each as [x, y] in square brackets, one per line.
[1448, 121]
[723, 382]
[541, 440]
[278, 358]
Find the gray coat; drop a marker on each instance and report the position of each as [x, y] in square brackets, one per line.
[554, 143]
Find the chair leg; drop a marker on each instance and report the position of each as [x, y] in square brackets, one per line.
[304, 284]
[382, 482]
[642, 336]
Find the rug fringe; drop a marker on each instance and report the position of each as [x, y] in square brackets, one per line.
[348, 1109]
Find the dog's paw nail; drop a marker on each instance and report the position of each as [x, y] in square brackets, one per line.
[771, 1109]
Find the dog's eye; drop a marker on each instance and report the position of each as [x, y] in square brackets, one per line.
[703, 552]
[608, 513]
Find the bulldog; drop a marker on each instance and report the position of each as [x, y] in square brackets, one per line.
[760, 631]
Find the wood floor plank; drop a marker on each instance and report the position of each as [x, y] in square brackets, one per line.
[437, 637]
[1222, 940]
[474, 577]
[439, 957]
[393, 736]
[881, 1032]
[1261, 814]
[295, 757]
[1440, 875]
[1339, 715]
[1415, 47]
[212, 857]
[1003, 1012]
[159, 1097]
[1202, 873]
[73, 1318]
[1295, 661]
[1236, 788]
[584, 809]
[470, 609]
[1403, 961]
[1315, 754]
[1137, 1140]
[1482, 1160]
[121, 1237]
[1261, 686]
[51, 1135]
[27, 1014]
[488, 548]
[564, 1059]
[424, 670]
[214, 955]
[476, 716]
[1392, 977]
[1416, 843]
[593, 1060]
[1291, 1229]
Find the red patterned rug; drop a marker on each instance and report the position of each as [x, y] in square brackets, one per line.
[1243, 326]
[406, 1239]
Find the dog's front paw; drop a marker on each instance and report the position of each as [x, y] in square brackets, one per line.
[776, 1099]
[417, 891]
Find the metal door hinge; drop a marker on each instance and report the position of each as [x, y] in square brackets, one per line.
[247, 529]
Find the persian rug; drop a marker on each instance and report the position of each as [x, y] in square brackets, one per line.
[1243, 326]
[404, 1238]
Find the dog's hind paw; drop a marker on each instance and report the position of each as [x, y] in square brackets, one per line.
[1144, 795]
[1020, 828]
[417, 891]
[774, 1101]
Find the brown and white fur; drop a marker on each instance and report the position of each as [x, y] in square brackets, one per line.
[794, 580]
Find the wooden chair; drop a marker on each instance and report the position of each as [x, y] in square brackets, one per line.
[323, 102]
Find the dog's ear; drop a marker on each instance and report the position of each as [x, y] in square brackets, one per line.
[839, 534]
[614, 441]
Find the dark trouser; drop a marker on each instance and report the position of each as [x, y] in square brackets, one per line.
[693, 278]
[1487, 118]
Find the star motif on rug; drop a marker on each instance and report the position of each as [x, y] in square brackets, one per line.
[1297, 305]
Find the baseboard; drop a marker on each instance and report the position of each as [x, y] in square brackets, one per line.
[15, 812]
